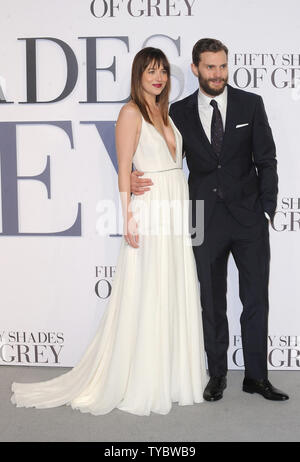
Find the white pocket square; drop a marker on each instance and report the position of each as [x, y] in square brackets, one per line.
[241, 125]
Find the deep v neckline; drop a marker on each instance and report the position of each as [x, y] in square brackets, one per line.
[167, 146]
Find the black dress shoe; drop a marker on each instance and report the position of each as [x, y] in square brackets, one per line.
[214, 389]
[264, 388]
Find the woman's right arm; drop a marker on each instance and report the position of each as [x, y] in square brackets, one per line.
[127, 132]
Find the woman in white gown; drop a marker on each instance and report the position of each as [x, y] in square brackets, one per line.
[148, 351]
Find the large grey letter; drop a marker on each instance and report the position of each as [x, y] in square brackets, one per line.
[9, 180]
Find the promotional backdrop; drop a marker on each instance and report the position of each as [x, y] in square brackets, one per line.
[64, 75]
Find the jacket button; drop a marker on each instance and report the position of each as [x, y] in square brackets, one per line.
[215, 190]
[219, 166]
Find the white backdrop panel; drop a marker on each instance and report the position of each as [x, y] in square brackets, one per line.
[54, 287]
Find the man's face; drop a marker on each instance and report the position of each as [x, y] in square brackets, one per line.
[212, 72]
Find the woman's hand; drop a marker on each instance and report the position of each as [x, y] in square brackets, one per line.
[131, 235]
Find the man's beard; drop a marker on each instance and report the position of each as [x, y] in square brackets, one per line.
[204, 84]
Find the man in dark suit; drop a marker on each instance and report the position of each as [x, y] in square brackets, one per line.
[231, 158]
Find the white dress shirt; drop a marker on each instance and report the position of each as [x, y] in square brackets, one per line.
[206, 110]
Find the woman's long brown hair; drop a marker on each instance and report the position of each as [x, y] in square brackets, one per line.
[140, 63]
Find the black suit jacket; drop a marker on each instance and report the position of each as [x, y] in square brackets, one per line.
[244, 175]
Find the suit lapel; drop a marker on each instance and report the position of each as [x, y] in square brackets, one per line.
[193, 115]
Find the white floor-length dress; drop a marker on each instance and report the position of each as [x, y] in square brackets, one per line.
[148, 350]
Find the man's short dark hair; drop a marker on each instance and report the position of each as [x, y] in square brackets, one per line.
[207, 44]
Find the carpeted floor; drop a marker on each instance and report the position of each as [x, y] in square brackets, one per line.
[237, 417]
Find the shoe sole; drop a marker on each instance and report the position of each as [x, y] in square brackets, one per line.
[211, 400]
[248, 390]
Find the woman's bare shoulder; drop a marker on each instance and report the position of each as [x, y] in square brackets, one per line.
[130, 110]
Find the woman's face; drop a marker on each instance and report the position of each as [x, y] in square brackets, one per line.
[154, 79]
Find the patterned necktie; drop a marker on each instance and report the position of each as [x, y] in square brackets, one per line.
[216, 128]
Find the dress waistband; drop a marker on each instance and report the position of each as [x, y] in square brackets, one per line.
[159, 171]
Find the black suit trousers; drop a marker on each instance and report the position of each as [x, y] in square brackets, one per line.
[251, 252]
